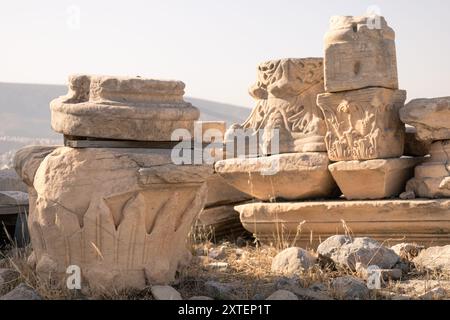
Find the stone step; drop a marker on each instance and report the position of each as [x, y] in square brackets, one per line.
[424, 221]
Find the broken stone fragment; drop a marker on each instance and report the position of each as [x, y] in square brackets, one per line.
[123, 108]
[285, 94]
[290, 176]
[373, 179]
[429, 117]
[432, 177]
[413, 146]
[363, 124]
[360, 53]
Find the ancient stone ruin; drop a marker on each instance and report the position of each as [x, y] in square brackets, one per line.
[363, 113]
[325, 151]
[121, 214]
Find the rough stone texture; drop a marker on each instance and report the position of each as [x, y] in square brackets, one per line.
[350, 288]
[422, 221]
[21, 292]
[220, 192]
[288, 176]
[121, 215]
[407, 251]
[380, 178]
[222, 221]
[7, 276]
[282, 295]
[363, 124]
[360, 53]
[10, 181]
[434, 258]
[286, 92]
[432, 177]
[420, 288]
[27, 161]
[221, 291]
[293, 260]
[413, 146]
[346, 251]
[429, 116]
[165, 293]
[13, 198]
[200, 298]
[123, 108]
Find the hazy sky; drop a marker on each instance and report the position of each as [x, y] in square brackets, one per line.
[213, 46]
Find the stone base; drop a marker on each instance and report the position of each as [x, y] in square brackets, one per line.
[432, 178]
[289, 176]
[373, 179]
[426, 222]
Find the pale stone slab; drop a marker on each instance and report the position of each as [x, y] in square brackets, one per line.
[421, 221]
[360, 53]
[290, 176]
[432, 177]
[429, 116]
[122, 108]
[123, 216]
[373, 179]
[363, 124]
[285, 94]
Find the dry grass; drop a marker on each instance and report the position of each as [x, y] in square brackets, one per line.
[248, 269]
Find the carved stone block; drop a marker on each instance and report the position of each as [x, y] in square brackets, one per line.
[373, 179]
[122, 108]
[286, 93]
[363, 124]
[122, 216]
[360, 53]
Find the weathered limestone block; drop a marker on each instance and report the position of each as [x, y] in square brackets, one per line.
[413, 146]
[121, 215]
[419, 221]
[360, 53]
[122, 108]
[289, 176]
[286, 92]
[429, 116]
[432, 178]
[373, 179]
[363, 124]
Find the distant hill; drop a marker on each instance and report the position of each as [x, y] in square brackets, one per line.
[25, 115]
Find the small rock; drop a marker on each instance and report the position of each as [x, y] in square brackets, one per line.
[407, 251]
[282, 295]
[309, 294]
[258, 297]
[200, 298]
[346, 252]
[21, 292]
[221, 266]
[350, 288]
[435, 294]
[384, 274]
[285, 282]
[293, 260]
[165, 293]
[222, 291]
[408, 195]
[318, 287]
[217, 253]
[434, 258]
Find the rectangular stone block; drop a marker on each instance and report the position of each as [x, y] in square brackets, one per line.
[360, 53]
[381, 178]
[363, 124]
